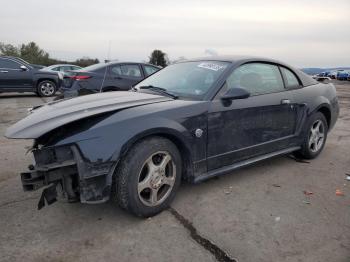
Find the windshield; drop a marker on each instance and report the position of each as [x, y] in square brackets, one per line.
[188, 79]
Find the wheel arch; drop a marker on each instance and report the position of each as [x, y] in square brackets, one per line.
[41, 79]
[175, 137]
[326, 111]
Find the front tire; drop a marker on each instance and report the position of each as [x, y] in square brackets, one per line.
[47, 88]
[148, 177]
[315, 137]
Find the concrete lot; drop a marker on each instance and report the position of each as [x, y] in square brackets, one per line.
[259, 213]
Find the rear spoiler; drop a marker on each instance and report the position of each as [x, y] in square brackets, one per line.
[323, 79]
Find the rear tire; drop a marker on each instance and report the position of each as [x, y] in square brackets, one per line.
[314, 138]
[148, 177]
[46, 88]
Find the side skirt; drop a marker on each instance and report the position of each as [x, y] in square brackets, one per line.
[227, 169]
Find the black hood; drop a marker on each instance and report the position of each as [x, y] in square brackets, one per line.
[56, 114]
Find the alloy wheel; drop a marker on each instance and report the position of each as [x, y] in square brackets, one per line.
[156, 179]
[316, 136]
[47, 89]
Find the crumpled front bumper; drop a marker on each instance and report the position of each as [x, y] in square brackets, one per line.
[64, 168]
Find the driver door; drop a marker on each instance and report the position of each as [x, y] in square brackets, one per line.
[262, 123]
[12, 76]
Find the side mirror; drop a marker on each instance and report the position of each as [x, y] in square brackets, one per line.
[235, 93]
[23, 68]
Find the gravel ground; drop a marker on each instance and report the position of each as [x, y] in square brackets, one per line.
[258, 213]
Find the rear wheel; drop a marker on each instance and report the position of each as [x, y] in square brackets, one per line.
[315, 137]
[47, 88]
[148, 177]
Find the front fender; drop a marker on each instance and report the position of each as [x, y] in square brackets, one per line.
[110, 142]
[105, 151]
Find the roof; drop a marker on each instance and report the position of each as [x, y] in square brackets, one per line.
[128, 62]
[241, 59]
[236, 59]
[61, 65]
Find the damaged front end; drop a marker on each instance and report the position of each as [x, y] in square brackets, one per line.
[63, 171]
[76, 146]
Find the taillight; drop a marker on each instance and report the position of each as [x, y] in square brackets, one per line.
[80, 77]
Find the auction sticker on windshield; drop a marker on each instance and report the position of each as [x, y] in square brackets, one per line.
[211, 66]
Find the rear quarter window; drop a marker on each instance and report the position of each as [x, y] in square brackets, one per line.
[149, 70]
[291, 81]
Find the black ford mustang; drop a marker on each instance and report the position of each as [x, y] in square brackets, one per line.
[193, 120]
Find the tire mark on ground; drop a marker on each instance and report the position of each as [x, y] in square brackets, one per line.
[16, 201]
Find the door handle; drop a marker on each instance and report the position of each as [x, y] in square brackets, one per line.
[4, 71]
[285, 102]
[118, 77]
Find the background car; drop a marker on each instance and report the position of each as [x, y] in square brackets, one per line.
[65, 70]
[343, 75]
[22, 61]
[62, 68]
[112, 76]
[17, 75]
[333, 74]
[321, 78]
[193, 120]
[324, 74]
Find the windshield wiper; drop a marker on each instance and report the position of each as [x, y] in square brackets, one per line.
[160, 90]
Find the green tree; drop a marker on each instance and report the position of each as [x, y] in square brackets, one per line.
[86, 61]
[158, 58]
[32, 53]
[8, 49]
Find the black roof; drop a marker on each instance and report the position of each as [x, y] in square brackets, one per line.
[241, 59]
[128, 62]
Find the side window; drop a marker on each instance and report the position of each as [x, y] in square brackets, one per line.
[65, 68]
[2, 63]
[291, 80]
[115, 70]
[150, 69]
[56, 69]
[8, 64]
[257, 78]
[130, 70]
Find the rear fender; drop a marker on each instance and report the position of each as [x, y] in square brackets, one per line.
[42, 77]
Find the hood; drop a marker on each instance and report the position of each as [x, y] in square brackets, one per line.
[58, 113]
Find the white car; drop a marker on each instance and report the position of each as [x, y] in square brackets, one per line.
[61, 68]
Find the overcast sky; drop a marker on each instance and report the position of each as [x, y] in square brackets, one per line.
[299, 32]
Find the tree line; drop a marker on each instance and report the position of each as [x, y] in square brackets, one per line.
[33, 54]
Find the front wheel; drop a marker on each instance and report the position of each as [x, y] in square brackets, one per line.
[148, 177]
[46, 88]
[315, 137]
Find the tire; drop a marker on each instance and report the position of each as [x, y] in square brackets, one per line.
[136, 184]
[313, 142]
[46, 88]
